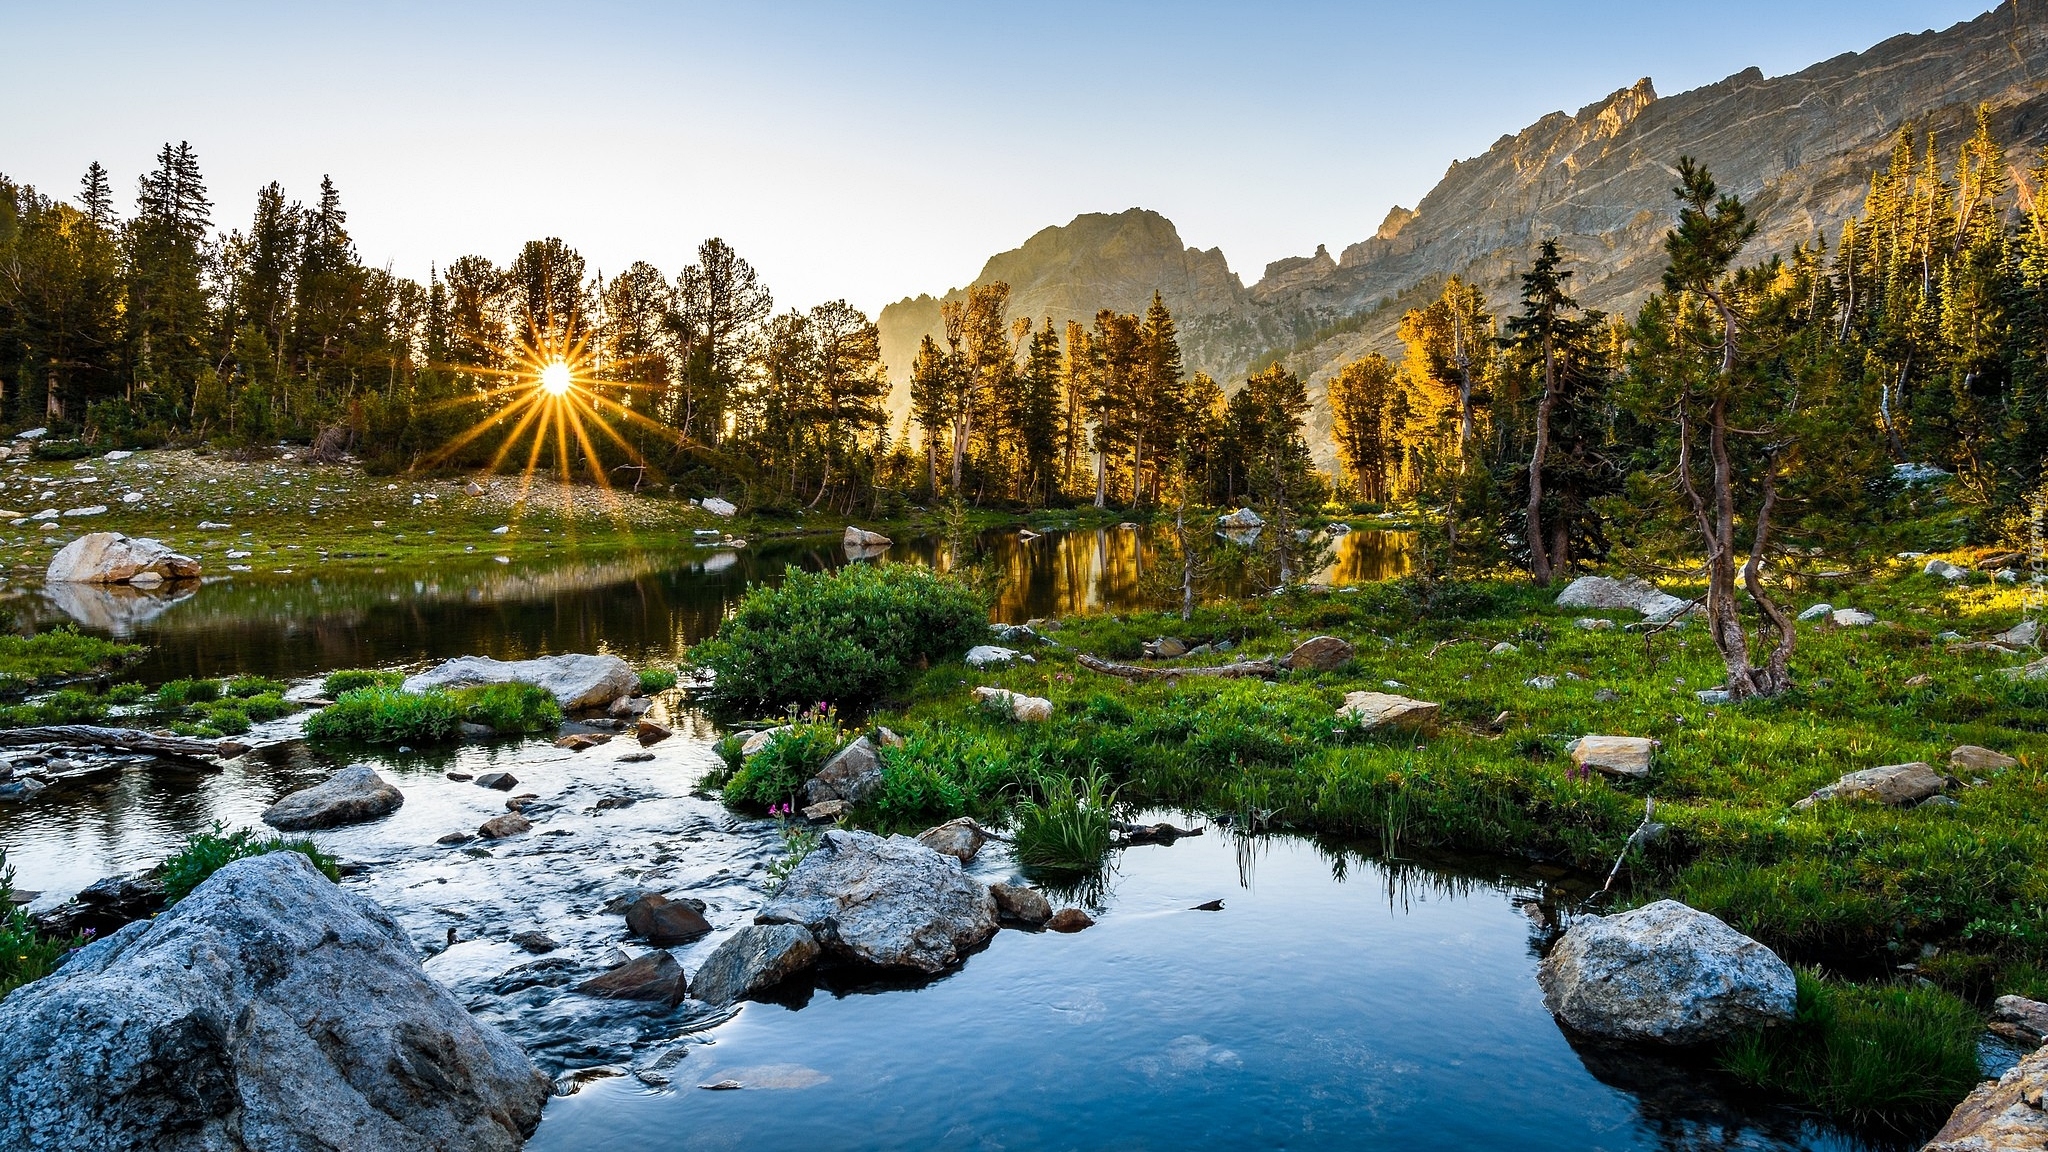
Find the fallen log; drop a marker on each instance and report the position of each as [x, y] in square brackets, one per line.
[1264, 669]
[122, 739]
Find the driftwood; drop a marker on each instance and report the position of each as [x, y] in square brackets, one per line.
[1644, 833]
[122, 739]
[1151, 833]
[1260, 668]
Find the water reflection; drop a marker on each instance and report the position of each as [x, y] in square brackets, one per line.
[647, 607]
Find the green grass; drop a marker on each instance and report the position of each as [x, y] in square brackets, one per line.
[350, 679]
[510, 709]
[26, 952]
[653, 680]
[63, 653]
[205, 853]
[1865, 1054]
[1065, 828]
[386, 715]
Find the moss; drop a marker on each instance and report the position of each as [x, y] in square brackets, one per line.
[350, 679]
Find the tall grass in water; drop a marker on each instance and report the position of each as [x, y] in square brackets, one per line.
[1066, 827]
[1865, 1053]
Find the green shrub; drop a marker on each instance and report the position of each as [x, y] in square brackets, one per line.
[26, 952]
[350, 679]
[1067, 827]
[1866, 1053]
[60, 653]
[383, 715]
[266, 706]
[179, 694]
[60, 450]
[205, 853]
[849, 637]
[510, 709]
[776, 773]
[128, 693]
[654, 680]
[243, 686]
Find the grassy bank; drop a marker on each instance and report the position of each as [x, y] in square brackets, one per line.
[1952, 896]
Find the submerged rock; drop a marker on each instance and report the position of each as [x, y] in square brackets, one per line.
[1666, 973]
[663, 922]
[498, 781]
[756, 957]
[1371, 710]
[267, 1010]
[650, 976]
[111, 558]
[961, 839]
[1020, 903]
[503, 827]
[2002, 1115]
[893, 902]
[1070, 920]
[1894, 784]
[575, 680]
[351, 796]
[1615, 755]
[852, 774]
[648, 732]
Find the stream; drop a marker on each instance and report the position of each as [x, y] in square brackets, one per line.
[1337, 1000]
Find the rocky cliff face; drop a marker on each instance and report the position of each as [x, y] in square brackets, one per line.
[1799, 149]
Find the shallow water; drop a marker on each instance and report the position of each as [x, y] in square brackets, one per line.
[1336, 1002]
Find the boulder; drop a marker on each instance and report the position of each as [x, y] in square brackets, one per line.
[961, 839]
[718, 507]
[2038, 670]
[893, 903]
[757, 956]
[1166, 648]
[575, 680]
[351, 796]
[1028, 709]
[111, 558]
[1242, 518]
[2025, 634]
[270, 1009]
[1607, 593]
[862, 538]
[1976, 759]
[650, 976]
[852, 774]
[1816, 611]
[648, 732]
[758, 740]
[583, 741]
[498, 781]
[2002, 1115]
[1615, 755]
[663, 922]
[1665, 973]
[825, 810]
[1020, 903]
[989, 656]
[1070, 920]
[1945, 570]
[1371, 710]
[2020, 1020]
[503, 827]
[1894, 784]
[1319, 654]
[1852, 618]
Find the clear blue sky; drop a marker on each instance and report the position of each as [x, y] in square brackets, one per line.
[866, 151]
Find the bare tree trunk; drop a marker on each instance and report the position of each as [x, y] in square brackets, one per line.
[1539, 561]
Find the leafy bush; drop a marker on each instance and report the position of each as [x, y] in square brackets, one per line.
[208, 852]
[654, 680]
[385, 715]
[1067, 828]
[774, 774]
[510, 709]
[850, 637]
[27, 661]
[350, 679]
[26, 952]
[1866, 1053]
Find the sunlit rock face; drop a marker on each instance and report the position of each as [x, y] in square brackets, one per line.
[1799, 148]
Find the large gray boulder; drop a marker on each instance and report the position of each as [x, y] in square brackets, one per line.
[351, 796]
[852, 774]
[1664, 973]
[269, 1011]
[111, 558]
[1607, 593]
[756, 957]
[2002, 1115]
[1894, 784]
[576, 681]
[893, 902]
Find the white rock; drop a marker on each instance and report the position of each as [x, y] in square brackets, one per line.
[111, 558]
[88, 510]
[1615, 755]
[989, 655]
[1607, 593]
[119, 454]
[1817, 611]
[894, 902]
[210, 525]
[1945, 570]
[32, 434]
[862, 538]
[1665, 973]
[1852, 618]
[1503, 649]
[1918, 473]
[1593, 624]
[132, 498]
[45, 514]
[1027, 709]
[718, 507]
[2025, 634]
[1371, 710]
[501, 529]
[575, 680]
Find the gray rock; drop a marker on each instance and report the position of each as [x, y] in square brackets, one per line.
[1022, 708]
[893, 902]
[1852, 618]
[862, 538]
[1664, 973]
[852, 774]
[111, 558]
[2025, 634]
[351, 796]
[757, 956]
[718, 506]
[575, 680]
[1017, 902]
[1816, 611]
[1594, 624]
[1607, 593]
[1319, 654]
[2020, 1020]
[1945, 570]
[1615, 755]
[1972, 757]
[989, 656]
[663, 922]
[961, 839]
[1894, 784]
[650, 976]
[269, 1009]
[1373, 710]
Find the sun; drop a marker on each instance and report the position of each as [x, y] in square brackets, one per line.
[554, 377]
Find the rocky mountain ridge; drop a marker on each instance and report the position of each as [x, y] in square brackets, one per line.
[1798, 148]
